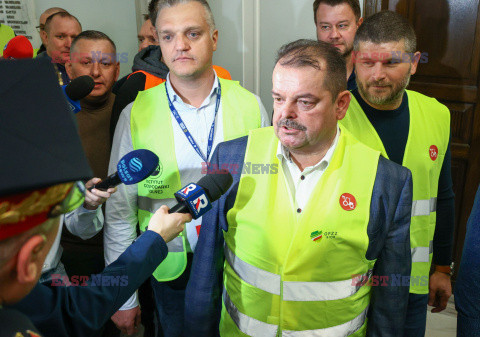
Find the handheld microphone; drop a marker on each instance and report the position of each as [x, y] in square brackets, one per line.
[18, 47]
[134, 167]
[77, 89]
[197, 199]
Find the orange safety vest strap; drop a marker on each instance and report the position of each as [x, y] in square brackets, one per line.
[222, 72]
[152, 80]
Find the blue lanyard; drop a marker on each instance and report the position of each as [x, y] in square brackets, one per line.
[187, 133]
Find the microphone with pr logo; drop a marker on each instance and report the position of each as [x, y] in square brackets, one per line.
[197, 199]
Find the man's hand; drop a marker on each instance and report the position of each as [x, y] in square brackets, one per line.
[440, 291]
[168, 225]
[95, 198]
[127, 321]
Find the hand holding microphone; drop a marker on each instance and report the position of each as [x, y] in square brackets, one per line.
[94, 197]
[168, 226]
[194, 200]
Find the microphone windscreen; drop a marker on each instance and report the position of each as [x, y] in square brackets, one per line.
[18, 47]
[216, 184]
[136, 166]
[80, 87]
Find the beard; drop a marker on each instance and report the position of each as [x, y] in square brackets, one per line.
[348, 51]
[395, 94]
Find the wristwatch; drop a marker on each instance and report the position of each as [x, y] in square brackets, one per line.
[446, 269]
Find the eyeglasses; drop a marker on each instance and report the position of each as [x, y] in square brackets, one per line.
[40, 28]
[74, 199]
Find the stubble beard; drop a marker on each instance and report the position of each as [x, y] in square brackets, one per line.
[395, 95]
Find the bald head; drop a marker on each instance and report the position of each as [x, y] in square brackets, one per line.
[47, 13]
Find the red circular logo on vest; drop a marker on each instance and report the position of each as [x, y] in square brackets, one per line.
[348, 202]
[433, 152]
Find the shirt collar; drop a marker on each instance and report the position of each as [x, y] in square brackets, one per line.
[176, 98]
[284, 154]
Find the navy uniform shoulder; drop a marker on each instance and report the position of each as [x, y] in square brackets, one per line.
[16, 324]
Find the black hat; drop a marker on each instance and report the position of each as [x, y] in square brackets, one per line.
[39, 141]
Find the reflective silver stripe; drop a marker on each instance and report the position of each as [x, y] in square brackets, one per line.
[254, 276]
[422, 254]
[424, 207]
[248, 325]
[321, 291]
[176, 245]
[342, 330]
[149, 204]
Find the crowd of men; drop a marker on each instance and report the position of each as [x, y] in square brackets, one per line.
[347, 233]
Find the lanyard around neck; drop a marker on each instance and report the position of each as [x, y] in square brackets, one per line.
[185, 129]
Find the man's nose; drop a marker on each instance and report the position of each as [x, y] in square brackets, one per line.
[378, 72]
[334, 33]
[95, 69]
[287, 110]
[68, 41]
[181, 42]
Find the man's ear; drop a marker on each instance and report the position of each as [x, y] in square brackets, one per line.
[415, 60]
[342, 103]
[29, 265]
[215, 39]
[43, 37]
[359, 22]
[68, 68]
[117, 72]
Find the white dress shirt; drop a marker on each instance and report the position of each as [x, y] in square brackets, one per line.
[301, 184]
[121, 209]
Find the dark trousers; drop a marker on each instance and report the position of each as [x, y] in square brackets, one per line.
[170, 302]
[416, 321]
[467, 287]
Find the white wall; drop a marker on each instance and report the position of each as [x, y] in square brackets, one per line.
[250, 33]
[116, 18]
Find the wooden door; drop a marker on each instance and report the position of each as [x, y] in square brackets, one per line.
[449, 31]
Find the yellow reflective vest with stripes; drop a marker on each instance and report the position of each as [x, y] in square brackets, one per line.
[290, 274]
[424, 154]
[151, 128]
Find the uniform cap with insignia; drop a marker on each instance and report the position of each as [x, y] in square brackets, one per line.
[40, 150]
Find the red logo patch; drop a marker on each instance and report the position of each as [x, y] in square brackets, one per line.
[348, 202]
[433, 152]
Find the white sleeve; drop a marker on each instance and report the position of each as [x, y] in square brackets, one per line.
[265, 116]
[121, 207]
[84, 223]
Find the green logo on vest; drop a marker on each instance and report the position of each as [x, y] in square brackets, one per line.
[316, 236]
[158, 171]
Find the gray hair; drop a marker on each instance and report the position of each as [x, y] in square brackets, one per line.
[310, 53]
[156, 6]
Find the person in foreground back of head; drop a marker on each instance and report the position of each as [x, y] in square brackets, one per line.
[39, 182]
[312, 242]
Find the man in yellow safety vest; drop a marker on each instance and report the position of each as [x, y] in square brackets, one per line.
[315, 229]
[412, 130]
